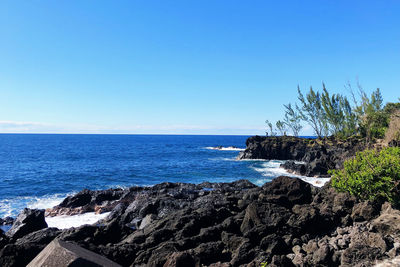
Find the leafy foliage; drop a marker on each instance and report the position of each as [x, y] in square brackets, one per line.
[334, 115]
[311, 110]
[371, 175]
[373, 119]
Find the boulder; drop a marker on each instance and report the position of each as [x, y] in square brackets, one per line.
[27, 247]
[364, 211]
[28, 221]
[59, 254]
[388, 223]
[287, 191]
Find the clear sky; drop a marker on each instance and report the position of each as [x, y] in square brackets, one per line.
[198, 67]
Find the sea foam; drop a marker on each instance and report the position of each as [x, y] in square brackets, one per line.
[65, 221]
[271, 169]
[12, 206]
[229, 148]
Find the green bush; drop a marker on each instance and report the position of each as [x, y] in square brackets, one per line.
[371, 175]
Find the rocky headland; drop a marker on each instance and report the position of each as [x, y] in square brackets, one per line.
[308, 157]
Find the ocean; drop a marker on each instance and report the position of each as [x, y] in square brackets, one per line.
[39, 170]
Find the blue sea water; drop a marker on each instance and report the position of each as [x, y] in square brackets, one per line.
[39, 170]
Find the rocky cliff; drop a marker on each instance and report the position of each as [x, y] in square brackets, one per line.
[309, 157]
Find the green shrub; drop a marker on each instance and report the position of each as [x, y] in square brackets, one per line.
[371, 175]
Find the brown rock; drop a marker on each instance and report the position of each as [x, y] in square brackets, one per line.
[179, 259]
[388, 222]
[62, 254]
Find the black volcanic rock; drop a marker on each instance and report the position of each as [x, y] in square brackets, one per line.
[287, 192]
[286, 222]
[282, 148]
[7, 221]
[28, 221]
[316, 156]
[21, 252]
[87, 201]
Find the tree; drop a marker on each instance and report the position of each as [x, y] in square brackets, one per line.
[333, 121]
[311, 110]
[373, 119]
[281, 126]
[271, 128]
[339, 116]
[293, 119]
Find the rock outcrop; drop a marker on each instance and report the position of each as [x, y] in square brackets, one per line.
[309, 157]
[28, 221]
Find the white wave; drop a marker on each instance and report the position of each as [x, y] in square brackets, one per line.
[65, 221]
[272, 169]
[45, 202]
[229, 148]
[5, 208]
[223, 159]
[252, 159]
[315, 181]
[12, 206]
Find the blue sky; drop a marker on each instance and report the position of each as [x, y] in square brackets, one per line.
[191, 67]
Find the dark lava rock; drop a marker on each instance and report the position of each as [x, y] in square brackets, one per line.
[287, 192]
[4, 240]
[283, 148]
[28, 221]
[316, 156]
[26, 248]
[87, 201]
[7, 221]
[298, 168]
[286, 222]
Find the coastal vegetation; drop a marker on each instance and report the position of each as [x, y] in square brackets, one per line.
[371, 175]
[365, 131]
[334, 115]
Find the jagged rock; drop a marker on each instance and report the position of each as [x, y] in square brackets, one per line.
[88, 201]
[292, 166]
[364, 211]
[323, 255]
[226, 224]
[59, 253]
[395, 262]
[7, 221]
[317, 156]
[26, 248]
[180, 259]
[3, 239]
[388, 222]
[28, 221]
[360, 256]
[287, 191]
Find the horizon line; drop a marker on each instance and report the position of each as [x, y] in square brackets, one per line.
[166, 134]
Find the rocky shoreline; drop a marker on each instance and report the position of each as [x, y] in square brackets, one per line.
[286, 222]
